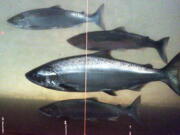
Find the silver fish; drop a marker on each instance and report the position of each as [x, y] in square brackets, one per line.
[104, 73]
[54, 17]
[118, 38]
[74, 109]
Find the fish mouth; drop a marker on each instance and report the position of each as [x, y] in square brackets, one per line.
[76, 43]
[13, 23]
[9, 20]
[31, 78]
[70, 41]
[28, 76]
[12, 20]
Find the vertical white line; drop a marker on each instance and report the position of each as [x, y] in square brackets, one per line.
[2, 123]
[85, 76]
[65, 127]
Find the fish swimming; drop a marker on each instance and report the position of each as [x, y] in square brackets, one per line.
[118, 38]
[104, 73]
[54, 17]
[74, 109]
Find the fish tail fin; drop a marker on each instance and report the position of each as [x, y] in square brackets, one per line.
[172, 71]
[160, 46]
[98, 17]
[133, 111]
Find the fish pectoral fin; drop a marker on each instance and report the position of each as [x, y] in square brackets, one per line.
[137, 87]
[121, 28]
[110, 92]
[67, 87]
[113, 118]
[148, 65]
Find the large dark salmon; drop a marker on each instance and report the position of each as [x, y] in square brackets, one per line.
[118, 38]
[74, 109]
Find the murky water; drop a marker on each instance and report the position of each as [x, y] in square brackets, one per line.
[22, 50]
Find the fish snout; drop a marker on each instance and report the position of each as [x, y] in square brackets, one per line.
[11, 21]
[79, 42]
[30, 76]
[70, 41]
[34, 77]
[18, 21]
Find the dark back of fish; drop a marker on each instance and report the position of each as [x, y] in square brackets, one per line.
[118, 38]
[74, 109]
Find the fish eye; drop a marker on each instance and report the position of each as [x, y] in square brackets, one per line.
[19, 17]
[47, 72]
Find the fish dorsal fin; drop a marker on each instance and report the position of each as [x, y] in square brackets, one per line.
[121, 28]
[148, 65]
[103, 54]
[92, 99]
[56, 7]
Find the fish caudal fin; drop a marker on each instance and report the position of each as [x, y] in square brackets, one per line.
[133, 111]
[160, 46]
[172, 71]
[98, 17]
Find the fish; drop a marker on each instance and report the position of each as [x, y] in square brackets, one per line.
[103, 73]
[118, 38]
[55, 17]
[74, 109]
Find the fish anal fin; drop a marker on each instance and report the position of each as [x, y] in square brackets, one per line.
[67, 88]
[110, 92]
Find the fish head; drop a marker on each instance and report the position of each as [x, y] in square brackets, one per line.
[51, 111]
[43, 76]
[19, 21]
[78, 41]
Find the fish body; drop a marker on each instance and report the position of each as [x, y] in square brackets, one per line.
[118, 38]
[54, 17]
[74, 109]
[104, 73]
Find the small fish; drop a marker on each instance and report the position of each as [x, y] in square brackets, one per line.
[118, 38]
[74, 109]
[104, 73]
[54, 17]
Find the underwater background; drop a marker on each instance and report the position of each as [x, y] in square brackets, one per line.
[22, 50]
